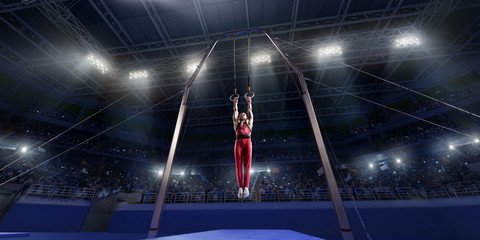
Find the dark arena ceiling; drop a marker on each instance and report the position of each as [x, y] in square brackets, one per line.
[44, 47]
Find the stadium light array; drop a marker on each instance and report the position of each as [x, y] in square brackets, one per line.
[330, 51]
[407, 41]
[261, 59]
[99, 64]
[138, 74]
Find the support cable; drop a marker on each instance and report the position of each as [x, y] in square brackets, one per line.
[393, 109]
[249, 92]
[388, 81]
[235, 94]
[339, 172]
[70, 128]
[88, 139]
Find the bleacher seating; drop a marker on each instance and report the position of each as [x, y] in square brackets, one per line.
[197, 197]
[434, 191]
[182, 197]
[305, 195]
[364, 194]
[285, 196]
[214, 196]
[385, 193]
[464, 189]
[407, 193]
[268, 196]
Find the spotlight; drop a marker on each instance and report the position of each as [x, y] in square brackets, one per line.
[138, 74]
[252, 171]
[370, 165]
[268, 170]
[182, 173]
[476, 140]
[407, 41]
[399, 160]
[24, 149]
[330, 51]
[261, 59]
[159, 172]
[451, 147]
[98, 63]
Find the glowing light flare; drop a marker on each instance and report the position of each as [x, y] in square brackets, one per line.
[24, 149]
[251, 170]
[260, 59]
[138, 74]
[451, 147]
[476, 140]
[99, 64]
[370, 165]
[407, 41]
[192, 67]
[399, 160]
[182, 173]
[159, 172]
[330, 51]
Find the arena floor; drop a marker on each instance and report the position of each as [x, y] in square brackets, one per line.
[232, 234]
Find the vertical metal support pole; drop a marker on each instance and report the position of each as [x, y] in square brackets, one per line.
[162, 192]
[345, 229]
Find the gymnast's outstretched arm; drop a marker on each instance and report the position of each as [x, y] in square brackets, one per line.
[235, 113]
[249, 112]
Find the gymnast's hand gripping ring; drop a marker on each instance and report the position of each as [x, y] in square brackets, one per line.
[252, 94]
[233, 96]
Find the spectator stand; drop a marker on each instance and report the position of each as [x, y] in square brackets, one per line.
[364, 194]
[407, 193]
[434, 192]
[464, 189]
[385, 193]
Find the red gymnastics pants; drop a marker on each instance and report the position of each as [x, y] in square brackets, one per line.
[243, 160]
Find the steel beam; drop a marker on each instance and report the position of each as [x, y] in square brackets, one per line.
[157, 212]
[304, 25]
[106, 14]
[342, 218]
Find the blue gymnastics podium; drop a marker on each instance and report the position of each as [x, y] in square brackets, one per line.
[243, 234]
[13, 234]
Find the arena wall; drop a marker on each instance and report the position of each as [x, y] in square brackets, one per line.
[408, 219]
[455, 218]
[31, 214]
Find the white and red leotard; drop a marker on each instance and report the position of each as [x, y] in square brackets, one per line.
[243, 154]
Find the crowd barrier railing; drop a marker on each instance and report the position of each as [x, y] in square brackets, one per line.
[451, 190]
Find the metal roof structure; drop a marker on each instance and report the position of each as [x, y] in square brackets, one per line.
[44, 44]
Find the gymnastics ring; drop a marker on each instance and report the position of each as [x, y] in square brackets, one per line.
[233, 96]
[249, 92]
